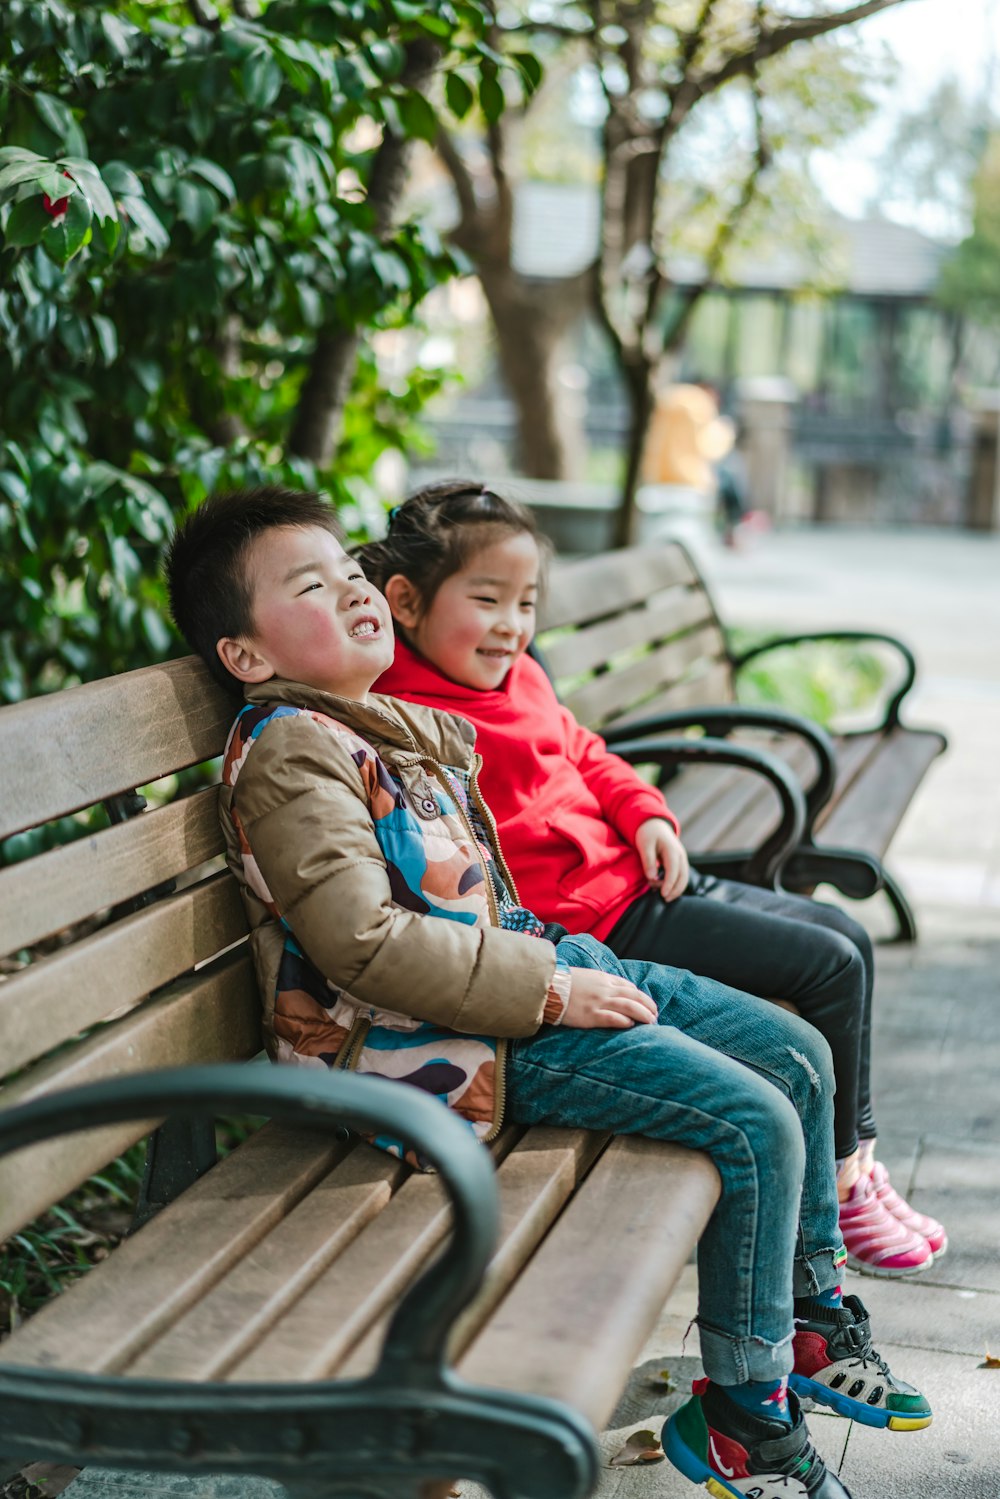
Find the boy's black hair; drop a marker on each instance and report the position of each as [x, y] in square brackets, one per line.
[206, 563]
[435, 532]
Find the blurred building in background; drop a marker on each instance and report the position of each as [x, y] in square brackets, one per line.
[856, 397]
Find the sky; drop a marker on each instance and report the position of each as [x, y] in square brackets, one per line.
[931, 39]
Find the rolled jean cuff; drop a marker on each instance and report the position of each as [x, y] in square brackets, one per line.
[819, 1271]
[730, 1360]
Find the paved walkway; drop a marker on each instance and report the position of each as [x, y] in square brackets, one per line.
[937, 1017]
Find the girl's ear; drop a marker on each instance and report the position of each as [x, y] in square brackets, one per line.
[242, 660]
[404, 600]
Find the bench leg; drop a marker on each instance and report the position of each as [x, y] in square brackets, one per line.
[905, 919]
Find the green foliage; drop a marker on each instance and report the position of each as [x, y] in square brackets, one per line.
[970, 278]
[832, 683]
[184, 216]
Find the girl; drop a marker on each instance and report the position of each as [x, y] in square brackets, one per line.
[596, 848]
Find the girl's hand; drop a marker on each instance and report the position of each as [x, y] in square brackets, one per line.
[664, 859]
[603, 1001]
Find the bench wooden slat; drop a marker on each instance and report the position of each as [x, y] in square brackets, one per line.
[237, 1312]
[117, 1309]
[594, 1288]
[872, 809]
[710, 686]
[755, 813]
[665, 616]
[535, 1181]
[114, 969]
[213, 1016]
[74, 748]
[56, 889]
[601, 586]
[612, 692]
[314, 1337]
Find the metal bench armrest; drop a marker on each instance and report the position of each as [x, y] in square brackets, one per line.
[765, 864]
[723, 719]
[891, 718]
[418, 1333]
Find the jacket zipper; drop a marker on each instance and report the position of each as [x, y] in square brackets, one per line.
[490, 823]
[500, 1084]
[350, 1051]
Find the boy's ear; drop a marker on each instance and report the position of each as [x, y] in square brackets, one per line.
[404, 600]
[242, 660]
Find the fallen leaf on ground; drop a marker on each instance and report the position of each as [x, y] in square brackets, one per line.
[641, 1447]
[990, 1361]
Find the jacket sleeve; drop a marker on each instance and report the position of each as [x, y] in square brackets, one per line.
[301, 802]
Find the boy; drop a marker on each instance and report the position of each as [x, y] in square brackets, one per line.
[352, 822]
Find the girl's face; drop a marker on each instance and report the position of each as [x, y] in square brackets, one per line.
[482, 618]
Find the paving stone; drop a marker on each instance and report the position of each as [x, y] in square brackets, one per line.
[108, 1483]
[958, 1457]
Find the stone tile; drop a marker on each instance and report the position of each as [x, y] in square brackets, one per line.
[918, 1313]
[958, 1457]
[108, 1483]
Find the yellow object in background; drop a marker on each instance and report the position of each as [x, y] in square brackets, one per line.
[687, 437]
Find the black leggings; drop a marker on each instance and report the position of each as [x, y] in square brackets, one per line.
[777, 946]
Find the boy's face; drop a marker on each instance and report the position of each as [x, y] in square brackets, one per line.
[316, 619]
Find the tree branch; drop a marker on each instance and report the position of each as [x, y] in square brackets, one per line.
[204, 15]
[726, 230]
[769, 43]
[460, 175]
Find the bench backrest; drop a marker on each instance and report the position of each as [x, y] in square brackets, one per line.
[119, 990]
[123, 990]
[633, 632]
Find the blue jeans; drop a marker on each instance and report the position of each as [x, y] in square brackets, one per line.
[742, 1080]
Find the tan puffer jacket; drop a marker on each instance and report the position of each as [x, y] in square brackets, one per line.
[346, 834]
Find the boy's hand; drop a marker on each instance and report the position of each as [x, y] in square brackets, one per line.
[599, 1001]
[664, 859]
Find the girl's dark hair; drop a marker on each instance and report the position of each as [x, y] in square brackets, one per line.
[208, 579]
[434, 533]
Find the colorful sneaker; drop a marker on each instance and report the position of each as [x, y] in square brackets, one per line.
[876, 1242]
[713, 1441]
[918, 1223]
[836, 1364]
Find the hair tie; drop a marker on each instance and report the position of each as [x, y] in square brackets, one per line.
[392, 515]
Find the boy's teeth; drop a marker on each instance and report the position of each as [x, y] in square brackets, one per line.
[364, 628]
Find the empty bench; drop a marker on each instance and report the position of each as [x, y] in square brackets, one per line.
[241, 1329]
[633, 642]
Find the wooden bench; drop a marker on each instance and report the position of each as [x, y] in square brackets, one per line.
[240, 1329]
[634, 643]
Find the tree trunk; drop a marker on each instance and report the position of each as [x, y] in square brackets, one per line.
[638, 372]
[531, 320]
[331, 370]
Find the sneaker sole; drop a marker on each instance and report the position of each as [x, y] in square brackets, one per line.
[856, 1410]
[889, 1272]
[693, 1467]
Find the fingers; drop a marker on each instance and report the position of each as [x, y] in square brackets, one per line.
[676, 877]
[632, 1003]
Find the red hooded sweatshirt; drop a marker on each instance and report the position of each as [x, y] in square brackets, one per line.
[566, 808]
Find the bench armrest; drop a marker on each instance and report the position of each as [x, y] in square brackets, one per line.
[721, 720]
[891, 718]
[766, 863]
[418, 1333]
